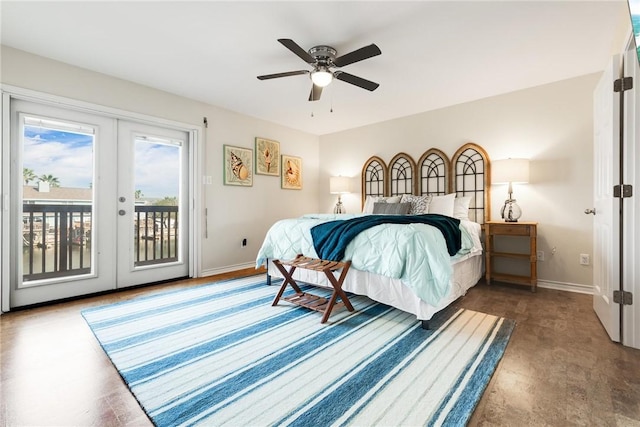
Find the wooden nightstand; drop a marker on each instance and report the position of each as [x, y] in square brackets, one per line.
[506, 230]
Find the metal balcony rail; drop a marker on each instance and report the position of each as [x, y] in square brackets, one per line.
[156, 234]
[57, 239]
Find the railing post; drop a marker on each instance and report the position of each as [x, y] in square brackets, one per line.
[64, 242]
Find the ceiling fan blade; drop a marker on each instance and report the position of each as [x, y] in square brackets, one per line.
[355, 80]
[316, 91]
[287, 74]
[293, 47]
[357, 55]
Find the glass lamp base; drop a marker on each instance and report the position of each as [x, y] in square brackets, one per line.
[511, 212]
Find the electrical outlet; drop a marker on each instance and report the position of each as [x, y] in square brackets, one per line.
[584, 259]
[540, 255]
[243, 243]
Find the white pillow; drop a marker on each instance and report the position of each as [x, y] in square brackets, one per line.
[392, 199]
[368, 204]
[461, 207]
[442, 205]
[419, 204]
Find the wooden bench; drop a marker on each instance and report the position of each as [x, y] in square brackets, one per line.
[308, 300]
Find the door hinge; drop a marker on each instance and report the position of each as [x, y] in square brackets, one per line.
[625, 83]
[622, 191]
[623, 297]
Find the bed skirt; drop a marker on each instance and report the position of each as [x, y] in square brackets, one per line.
[466, 273]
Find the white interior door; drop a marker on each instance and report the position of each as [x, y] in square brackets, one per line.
[153, 208]
[97, 203]
[606, 225]
[631, 206]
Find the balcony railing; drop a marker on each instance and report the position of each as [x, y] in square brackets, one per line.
[156, 234]
[57, 239]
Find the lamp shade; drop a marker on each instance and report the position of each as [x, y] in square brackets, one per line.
[510, 170]
[339, 185]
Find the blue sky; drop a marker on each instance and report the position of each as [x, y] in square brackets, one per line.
[69, 157]
[157, 169]
[65, 155]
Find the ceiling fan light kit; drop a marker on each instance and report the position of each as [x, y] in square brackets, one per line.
[321, 77]
[323, 60]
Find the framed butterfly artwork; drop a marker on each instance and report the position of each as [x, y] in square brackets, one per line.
[238, 166]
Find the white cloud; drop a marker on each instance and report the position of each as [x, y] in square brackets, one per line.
[157, 169]
[70, 158]
[71, 164]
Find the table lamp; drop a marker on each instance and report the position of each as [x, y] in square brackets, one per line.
[511, 171]
[339, 185]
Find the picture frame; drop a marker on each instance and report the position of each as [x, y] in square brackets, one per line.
[238, 166]
[267, 160]
[291, 176]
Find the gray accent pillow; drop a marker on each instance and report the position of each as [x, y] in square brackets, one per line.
[391, 208]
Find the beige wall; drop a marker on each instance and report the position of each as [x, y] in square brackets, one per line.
[234, 213]
[551, 125]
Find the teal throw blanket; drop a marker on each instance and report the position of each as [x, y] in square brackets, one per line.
[330, 239]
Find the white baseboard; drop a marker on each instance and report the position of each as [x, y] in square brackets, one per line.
[547, 284]
[227, 269]
[563, 286]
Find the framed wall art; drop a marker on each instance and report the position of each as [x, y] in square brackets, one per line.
[267, 157]
[291, 172]
[238, 166]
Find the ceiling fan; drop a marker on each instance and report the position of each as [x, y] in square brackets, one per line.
[324, 62]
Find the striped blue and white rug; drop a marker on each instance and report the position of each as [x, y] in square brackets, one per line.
[220, 354]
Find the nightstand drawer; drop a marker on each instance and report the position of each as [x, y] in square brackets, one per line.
[510, 229]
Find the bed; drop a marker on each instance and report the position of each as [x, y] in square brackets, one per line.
[427, 277]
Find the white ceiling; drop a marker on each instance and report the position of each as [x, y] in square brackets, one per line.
[434, 53]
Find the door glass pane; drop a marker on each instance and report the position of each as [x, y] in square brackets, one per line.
[157, 200]
[57, 199]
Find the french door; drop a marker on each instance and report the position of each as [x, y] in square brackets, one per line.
[152, 192]
[97, 203]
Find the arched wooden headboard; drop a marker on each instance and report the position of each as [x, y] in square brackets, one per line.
[433, 173]
[374, 178]
[401, 176]
[472, 177]
[467, 174]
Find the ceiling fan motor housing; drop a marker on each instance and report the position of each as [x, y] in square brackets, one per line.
[323, 54]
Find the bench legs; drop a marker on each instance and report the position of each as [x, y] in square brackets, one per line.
[308, 300]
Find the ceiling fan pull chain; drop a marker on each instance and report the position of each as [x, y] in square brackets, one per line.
[331, 110]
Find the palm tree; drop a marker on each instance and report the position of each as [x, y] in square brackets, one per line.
[52, 180]
[28, 175]
[139, 194]
[167, 201]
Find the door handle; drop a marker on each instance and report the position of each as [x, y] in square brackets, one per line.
[590, 211]
[122, 212]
